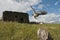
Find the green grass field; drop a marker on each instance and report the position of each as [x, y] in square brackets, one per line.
[22, 31]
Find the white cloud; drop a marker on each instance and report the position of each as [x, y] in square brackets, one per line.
[40, 6]
[48, 4]
[49, 18]
[56, 2]
[29, 1]
[16, 5]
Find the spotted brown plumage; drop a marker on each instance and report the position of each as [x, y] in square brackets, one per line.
[36, 14]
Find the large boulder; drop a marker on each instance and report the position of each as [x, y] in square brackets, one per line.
[43, 35]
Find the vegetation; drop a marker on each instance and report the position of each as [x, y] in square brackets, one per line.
[24, 31]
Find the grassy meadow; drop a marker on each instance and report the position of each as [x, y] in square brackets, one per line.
[24, 31]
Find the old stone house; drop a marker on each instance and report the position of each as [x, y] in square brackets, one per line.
[15, 16]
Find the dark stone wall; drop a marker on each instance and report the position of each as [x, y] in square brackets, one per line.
[15, 16]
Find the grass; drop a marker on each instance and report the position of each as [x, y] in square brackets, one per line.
[24, 31]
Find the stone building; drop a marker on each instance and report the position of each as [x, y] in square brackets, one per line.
[15, 16]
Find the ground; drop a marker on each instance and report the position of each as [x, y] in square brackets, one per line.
[24, 31]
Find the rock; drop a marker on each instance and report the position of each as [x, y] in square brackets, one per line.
[43, 35]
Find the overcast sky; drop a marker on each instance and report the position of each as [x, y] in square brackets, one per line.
[51, 6]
